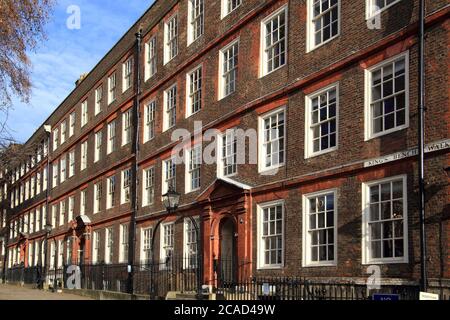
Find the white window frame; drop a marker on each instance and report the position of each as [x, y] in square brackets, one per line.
[261, 265]
[71, 208]
[98, 145]
[167, 49]
[72, 119]
[98, 99]
[38, 183]
[55, 146]
[123, 241]
[55, 175]
[192, 92]
[146, 239]
[111, 191]
[221, 156]
[63, 132]
[224, 8]
[112, 139]
[126, 127]
[189, 169]
[146, 186]
[310, 29]
[95, 246]
[309, 148]
[32, 224]
[190, 263]
[84, 154]
[63, 168]
[150, 58]
[124, 187]
[109, 244]
[222, 78]
[127, 74]
[306, 243]
[38, 219]
[191, 23]
[71, 163]
[263, 58]
[368, 97]
[370, 13]
[365, 243]
[150, 121]
[165, 185]
[166, 115]
[163, 245]
[112, 86]
[62, 212]
[83, 201]
[54, 212]
[44, 178]
[261, 150]
[98, 190]
[84, 113]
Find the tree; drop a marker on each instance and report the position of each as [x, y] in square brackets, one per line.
[21, 28]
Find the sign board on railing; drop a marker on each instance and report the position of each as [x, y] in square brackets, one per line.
[385, 297]
[428, 296]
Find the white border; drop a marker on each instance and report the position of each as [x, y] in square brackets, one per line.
[259, 253]
[220, 92]
[306, 262]
[261, 162]
[368, 97]
[365, 244]
[310, 45]
[188, 112]
[308, 136]
[262, 65]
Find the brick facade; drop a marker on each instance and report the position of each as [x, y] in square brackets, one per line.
[343, 60]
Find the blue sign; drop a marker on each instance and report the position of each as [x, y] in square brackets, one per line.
[385, 297]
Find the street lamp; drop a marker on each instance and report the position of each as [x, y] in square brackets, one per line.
[171, 200]
[48, 228]
[3, 242]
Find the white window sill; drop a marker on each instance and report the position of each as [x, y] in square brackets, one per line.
[268, 73]
[269, 170]
[271, 267]
[320, 153]
[386, 261]
[314, 47]
[320, 264]
[371, 15]
[383, 133]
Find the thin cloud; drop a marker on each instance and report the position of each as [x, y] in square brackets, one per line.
[66, 54]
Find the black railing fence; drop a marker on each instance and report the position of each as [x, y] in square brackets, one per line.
[233, 281]
[289, 288]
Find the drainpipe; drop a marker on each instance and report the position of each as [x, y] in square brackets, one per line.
[421, 138]
[134, 170]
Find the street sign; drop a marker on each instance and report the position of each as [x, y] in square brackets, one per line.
[428, 296]
[385, 297]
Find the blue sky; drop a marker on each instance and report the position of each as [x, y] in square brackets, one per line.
[58, 62]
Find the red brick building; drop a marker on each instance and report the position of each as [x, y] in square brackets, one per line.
[328, 88]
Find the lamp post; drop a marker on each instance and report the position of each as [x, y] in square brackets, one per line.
[171, 201]
[48, 228]
[3, 242]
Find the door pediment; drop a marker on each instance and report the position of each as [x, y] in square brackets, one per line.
[223, 188]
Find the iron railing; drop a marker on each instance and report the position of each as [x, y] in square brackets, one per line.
[296, 288]
[233, 281]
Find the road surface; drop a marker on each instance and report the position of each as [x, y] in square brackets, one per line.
[11, 292]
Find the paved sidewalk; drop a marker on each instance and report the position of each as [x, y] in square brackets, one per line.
[10, 292]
